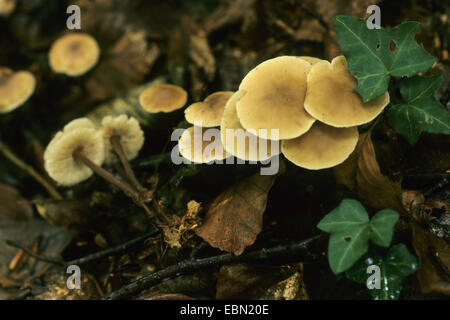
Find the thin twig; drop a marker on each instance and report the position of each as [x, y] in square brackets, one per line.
[191, 265]
[88, 258]
[6, 151]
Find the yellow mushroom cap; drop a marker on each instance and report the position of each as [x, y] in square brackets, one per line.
[15, 89]
[130, 132]
[312, 60]
[331, 99]
[74, 54]
[209, 112]
[276, 91]
[58, 157]
[197, 146]
[6, 7]
[239, 142]
[163, 98]
[321, 147]
[72, 125]
[79, 123]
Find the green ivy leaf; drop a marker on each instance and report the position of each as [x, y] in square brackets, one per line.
[382, 227]
[351, 230]
[421, 111]
[349, 212]
[370, 58]
[397, 265]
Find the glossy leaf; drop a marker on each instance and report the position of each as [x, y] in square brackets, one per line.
[351, 231]
[371, 59]
[421, 111]
[382, 227]
[397, 264]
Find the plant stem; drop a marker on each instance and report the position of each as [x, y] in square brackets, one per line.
[125, 187]
[4, 149]
[117, 146]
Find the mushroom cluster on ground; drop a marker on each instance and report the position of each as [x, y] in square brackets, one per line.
[305, 106]
[197, 143]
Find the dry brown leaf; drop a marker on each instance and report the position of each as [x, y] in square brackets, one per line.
[65, 214]
[362, 172]
[13, 207]
[433, 256]
[234, 219]
[124, 65]
[244, 282]
[228, 13]
[199, 49]
[292, 288]
[55, 288]
[164, 296]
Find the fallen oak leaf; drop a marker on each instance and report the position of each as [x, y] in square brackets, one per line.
[13, 207]
[432, 277]
[234, 219]
[362, 172]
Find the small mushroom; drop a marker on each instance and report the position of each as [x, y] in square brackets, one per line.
[15, 88]
[163, 98]
[276, 91]
[79, 123]
[74, 54]
[321, 147]
[196, 145]
[60, 158]
[330, 97]
[7, 7]
[239, 142]
[209, 112]
[123, 138]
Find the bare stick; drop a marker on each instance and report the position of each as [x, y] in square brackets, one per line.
[88, 258]
[192, 265]
[6, 151]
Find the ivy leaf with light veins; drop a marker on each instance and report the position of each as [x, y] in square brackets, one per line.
[370, 58]
[421, 111]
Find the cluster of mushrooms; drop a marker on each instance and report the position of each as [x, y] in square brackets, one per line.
[308, 102]
[73, 54]
[80, 149]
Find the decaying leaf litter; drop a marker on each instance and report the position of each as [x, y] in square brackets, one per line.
[203, 48]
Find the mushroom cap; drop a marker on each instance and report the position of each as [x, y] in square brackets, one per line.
[163, 98]
[209, 112]
[15, 89]
[330, 97]
[130, 132]
[236, 140]
[79, 123]
[6, 7]
[321, 147]
[72, 125]
[74, 54]
[276, 91]
[193, 145]
[312, 60]
[58, 157]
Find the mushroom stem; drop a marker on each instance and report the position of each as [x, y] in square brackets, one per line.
[125, 187]
[117, 145]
